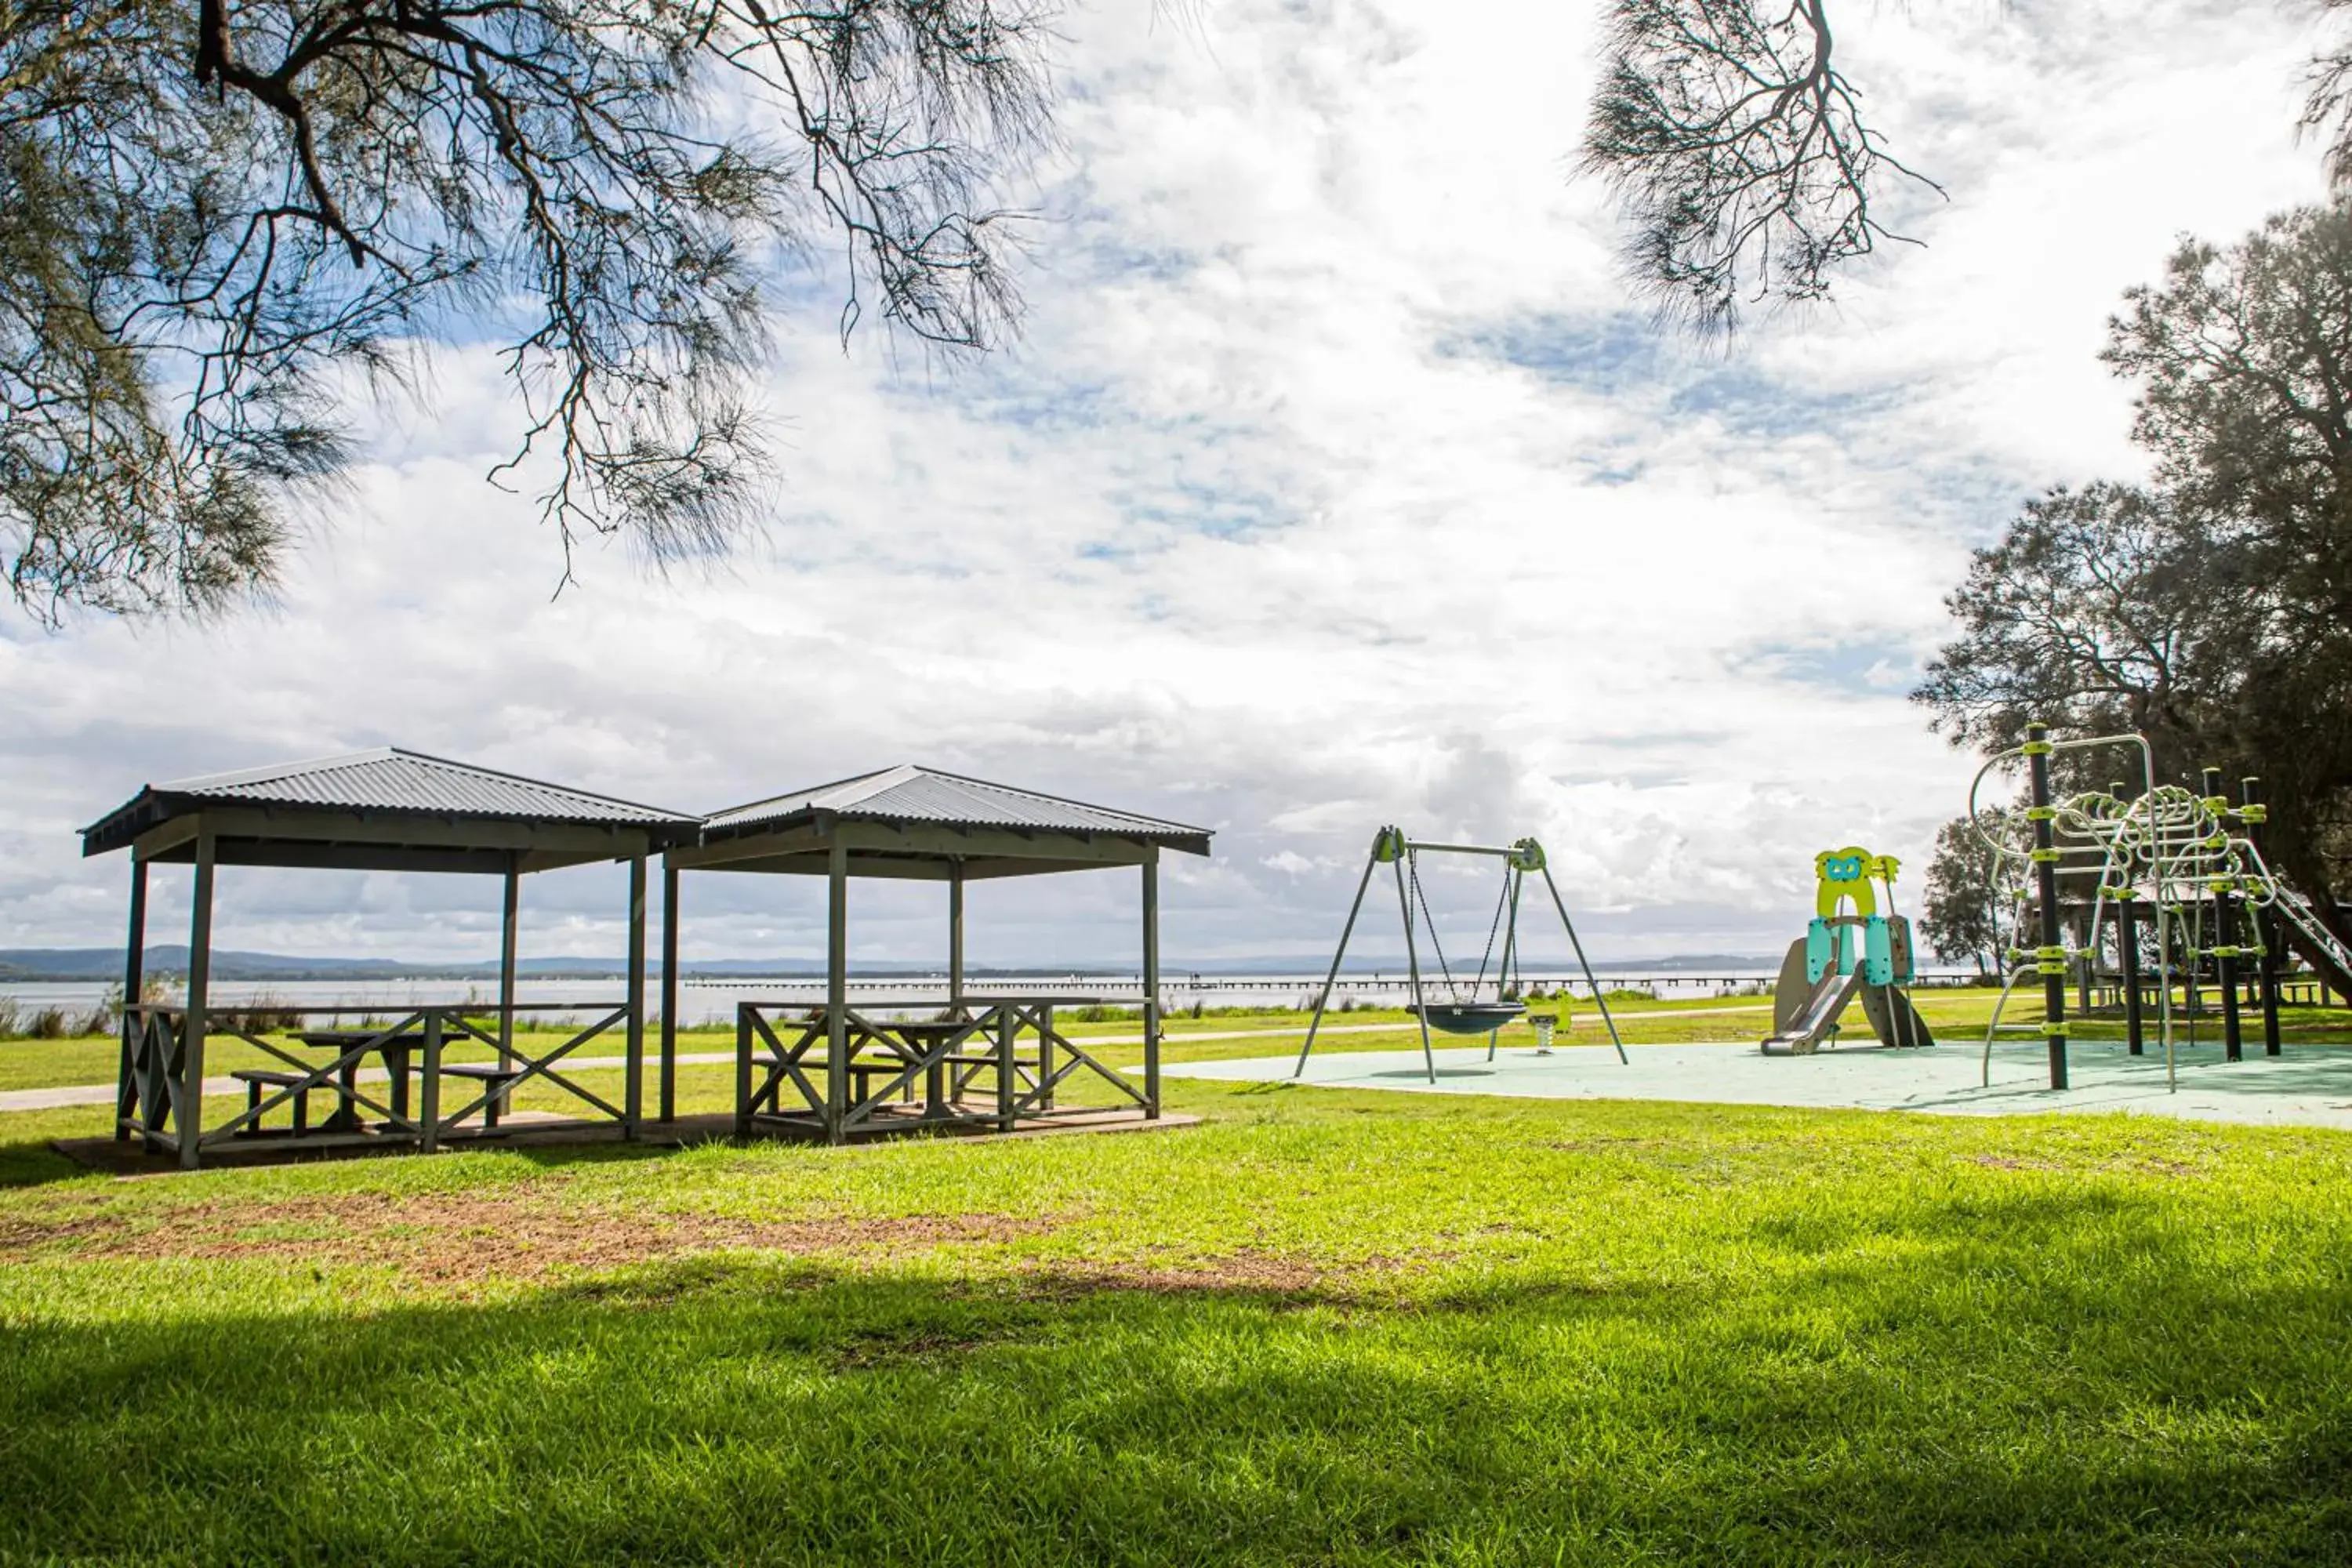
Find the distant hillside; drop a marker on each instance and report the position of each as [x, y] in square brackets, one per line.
[101, 963]
[106, 963]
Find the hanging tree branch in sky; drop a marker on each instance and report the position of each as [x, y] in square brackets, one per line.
[1746, 169]
[220, 220]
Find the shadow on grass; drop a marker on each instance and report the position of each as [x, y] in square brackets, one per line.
[1925, 1407]
[31, 1162]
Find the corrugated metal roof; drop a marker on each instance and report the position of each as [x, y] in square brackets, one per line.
[908, 793]
[391, 779]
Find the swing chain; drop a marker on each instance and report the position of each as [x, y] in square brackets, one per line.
[1429, 924]
[1491, 930]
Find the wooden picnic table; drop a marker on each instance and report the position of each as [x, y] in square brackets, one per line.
[921, 1037]
[395, 1050]
[946, 1053]
[902, 1043]
[945, 1079]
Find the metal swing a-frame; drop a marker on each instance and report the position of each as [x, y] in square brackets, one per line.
[1458, 1013]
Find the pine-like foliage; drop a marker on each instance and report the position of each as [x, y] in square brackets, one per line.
[1747, 170]
[2210, 609]
[222, 220]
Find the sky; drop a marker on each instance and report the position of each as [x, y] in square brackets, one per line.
[1338, 478]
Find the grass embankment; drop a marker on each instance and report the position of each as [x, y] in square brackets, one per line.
[1325, 1327]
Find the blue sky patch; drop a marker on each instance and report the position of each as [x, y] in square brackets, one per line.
[1869, 666]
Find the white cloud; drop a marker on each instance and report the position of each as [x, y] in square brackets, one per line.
[1337, 482]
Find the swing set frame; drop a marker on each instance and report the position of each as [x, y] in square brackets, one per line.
[1390, 846]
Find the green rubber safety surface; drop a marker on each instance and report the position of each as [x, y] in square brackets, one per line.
[2309, 1086]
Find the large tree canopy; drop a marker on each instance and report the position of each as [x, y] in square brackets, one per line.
[2094, 613]
[221, 220]
[2211, 610]
[1749, 170]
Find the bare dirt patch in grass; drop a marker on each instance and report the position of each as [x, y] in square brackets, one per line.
[21, 1234]
[531, 1232]
[455, 1238]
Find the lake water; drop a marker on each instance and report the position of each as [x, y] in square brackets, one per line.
[707, 1001]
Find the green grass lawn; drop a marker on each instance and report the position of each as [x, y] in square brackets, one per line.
[1321, 1328]
[1957, 1017]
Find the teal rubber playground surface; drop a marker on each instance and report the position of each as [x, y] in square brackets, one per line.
[2310, 1086]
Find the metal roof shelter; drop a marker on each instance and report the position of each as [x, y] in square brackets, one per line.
[992, 830]
[387, 809]
[916, 823]
[384, 810]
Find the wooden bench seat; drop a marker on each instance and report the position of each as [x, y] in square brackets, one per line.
[491, 1075]
[979, 1059]
[256, 1080]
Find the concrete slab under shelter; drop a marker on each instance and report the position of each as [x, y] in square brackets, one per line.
[2310, 1086]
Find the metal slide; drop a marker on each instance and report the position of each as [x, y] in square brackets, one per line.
[2317, 944]
[1803, 1034]
[1803, 1019]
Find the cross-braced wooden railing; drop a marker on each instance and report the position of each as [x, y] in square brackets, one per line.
[159, 1102]
[1003, 1063]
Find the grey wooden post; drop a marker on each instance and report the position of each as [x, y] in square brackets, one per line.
[836, 989]
[135, 979]
[632, 1098]
[1045, 1056]
[1006, 1026]
[429, 1089]
[1151, 985]
[742, 1070]
[955, 938]
[669, 991]
[508, 924]
[191, 1128]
